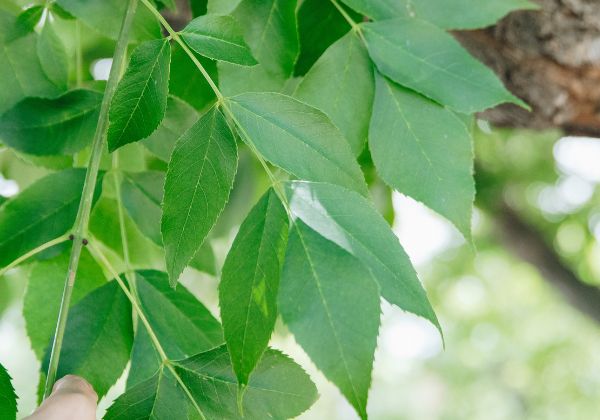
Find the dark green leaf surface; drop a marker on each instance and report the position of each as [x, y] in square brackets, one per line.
[197, 186]
[353, 223]
[320, 24]
[298, 138]
[159, 397]
[142, 194]
[447, 14]
[179, 117]
[187, 83]
[8, 398]
[64, 125]
[270, 30]
[42, 212]
[106, 16]
[98, 338]
[218, 37]
[322, 289]
[341, 85]
[278, 389]
[44, 290]
[140, 101]
[423, 150]
[53, 56]
[422, 57]
[24, 23]
[250, 281]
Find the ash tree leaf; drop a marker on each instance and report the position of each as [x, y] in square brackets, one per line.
[44, 290]
[8, 398]
[424, 58]
[42, 212]
[270, 30]
[250, 281]
[352, 223]
[142, 194]
[322, 289]
[197, 186]
[106, 16]
[278, 389]
[140, 101]
[424, 151]
[60, 126]
[447, 14]
[298, 138]
[53, 56]
[98, 338]
[181, 322]
[341, 84]
[218, 37]
[178, 118]
[159, 397]
[320, 24]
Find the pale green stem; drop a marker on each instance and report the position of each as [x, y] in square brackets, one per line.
[34, 251]
[355, 26]
[85, 206]
[99, 256]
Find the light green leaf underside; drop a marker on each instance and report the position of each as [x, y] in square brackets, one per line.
[8, 398]
[44, 290]
[40, 213]
[447, 14]
[298, 138]
[424, 151]
[220, 38]
[322, 289]
[351, 222]
[424, 58]
[278, 389]
[270, 30]
[98, 338]
[341, 85]
[250, 281]
[59, 126]
[179, 117]
[140, 101]
[197, 186]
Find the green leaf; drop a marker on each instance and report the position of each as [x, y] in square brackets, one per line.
[8, 398]
[106, 16]
[330, 302]
[298, 138]
[197, 186]
[278, 389]
[59, 126]
[20, 69]
[341, 85]
[199, 7]
[188, 83]
[142, 194]
[53, 56]
[140, 100]
[159, 397]
[40, 213]
[44, 290]
[205, 260]
[182, 324]
[351, 222]
[98, 338]
[24, 23]
[447, 14]
[218, 37]
[422, 57]
[234, 80]
[423, 150]
[250, 281]
[179, 117]
[270, 30]
[320, 24]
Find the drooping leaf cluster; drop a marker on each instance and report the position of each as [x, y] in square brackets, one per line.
[317, 93]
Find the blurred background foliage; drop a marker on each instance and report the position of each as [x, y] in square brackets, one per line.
[519, 310]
